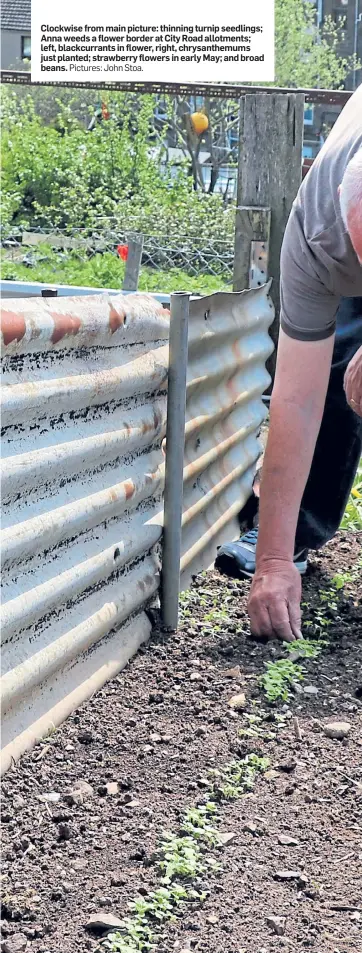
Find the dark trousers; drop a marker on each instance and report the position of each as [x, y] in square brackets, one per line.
[339, 445]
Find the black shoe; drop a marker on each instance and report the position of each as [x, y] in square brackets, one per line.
[238, 559]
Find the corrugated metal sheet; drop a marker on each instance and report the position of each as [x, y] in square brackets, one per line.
[83, 417]
[228, 347]
[84, 408]
[33, 289]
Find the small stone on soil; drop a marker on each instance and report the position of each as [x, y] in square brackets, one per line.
[51, 798]
[287, 875]
[233, 672]
[225, 839]
[277, 924]
[337, 729]
[118, 879]
[287, 766]
[101, 922]
[85, 737]
[238, 701]
[64, 832]
[250, 828]
[287, 841]
[14, 944]
[79, 793]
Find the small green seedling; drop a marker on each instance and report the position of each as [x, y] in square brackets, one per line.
[279, 677]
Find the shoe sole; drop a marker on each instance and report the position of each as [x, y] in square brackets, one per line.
[229, 567]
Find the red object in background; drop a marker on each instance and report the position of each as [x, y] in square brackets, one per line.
[122, 251]
[105, 112]
[307, 163]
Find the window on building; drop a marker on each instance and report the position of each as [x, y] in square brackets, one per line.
[308, 115]
[25, 47]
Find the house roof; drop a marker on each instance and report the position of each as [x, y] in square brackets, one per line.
[16, 15]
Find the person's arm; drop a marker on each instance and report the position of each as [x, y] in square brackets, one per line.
[301, 381]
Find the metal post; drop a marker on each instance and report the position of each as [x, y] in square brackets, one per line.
[133, 264]
[175, 440]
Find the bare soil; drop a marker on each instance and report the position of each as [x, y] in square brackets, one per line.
[156, 730]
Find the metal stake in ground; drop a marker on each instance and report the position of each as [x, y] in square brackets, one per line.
[175, 440]
[133, 264]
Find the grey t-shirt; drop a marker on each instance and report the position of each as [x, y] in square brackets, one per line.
[318, 262]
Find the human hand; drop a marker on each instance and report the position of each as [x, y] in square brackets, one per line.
[274, 602]
[353, 383]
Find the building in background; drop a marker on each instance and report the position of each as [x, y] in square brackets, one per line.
[319, 120]
[15, 33]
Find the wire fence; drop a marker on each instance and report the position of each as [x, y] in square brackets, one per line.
[189, 254]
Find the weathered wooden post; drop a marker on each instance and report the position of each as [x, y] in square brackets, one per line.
[133, 264]
[269, 175]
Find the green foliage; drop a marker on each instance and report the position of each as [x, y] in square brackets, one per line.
[238, 777]
[196, 824]
[62, 176]
[160, 903]
[104, 271]
[306, 56]
[279, 677]
[181, 858]
[285, 673]
[352, 519]
[306, 648]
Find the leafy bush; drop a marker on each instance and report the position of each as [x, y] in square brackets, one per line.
[61, 176]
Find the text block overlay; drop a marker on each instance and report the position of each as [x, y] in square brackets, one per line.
[201, 41]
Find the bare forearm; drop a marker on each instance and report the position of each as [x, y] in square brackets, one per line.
[287, 462]
[295, 417]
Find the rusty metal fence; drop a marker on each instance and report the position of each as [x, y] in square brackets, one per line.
[83, 416]
[84, 421]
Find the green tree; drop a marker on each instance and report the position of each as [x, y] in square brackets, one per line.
[307, 55]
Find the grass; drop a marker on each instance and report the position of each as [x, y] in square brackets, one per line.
[105, 271]
[181, 859]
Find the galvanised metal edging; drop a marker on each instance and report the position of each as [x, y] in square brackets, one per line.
[228, 347]
[30, 289]
[83, 416]
[84, 408]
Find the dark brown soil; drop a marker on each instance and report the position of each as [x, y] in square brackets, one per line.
[156, 730]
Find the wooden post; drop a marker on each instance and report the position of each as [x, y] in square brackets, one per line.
[251, 225]
[270, 171]
[133, 264]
